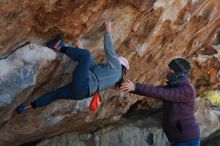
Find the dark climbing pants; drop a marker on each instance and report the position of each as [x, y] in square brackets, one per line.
[79, 87]
[193, 142]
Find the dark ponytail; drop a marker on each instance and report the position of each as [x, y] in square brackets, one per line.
[121, 80]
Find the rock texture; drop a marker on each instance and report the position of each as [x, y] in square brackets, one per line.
[138, 129]
[212, 140]
[148, 32]
[145, 132]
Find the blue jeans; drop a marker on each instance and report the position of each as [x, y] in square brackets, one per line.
[193, 142]
[79, 87]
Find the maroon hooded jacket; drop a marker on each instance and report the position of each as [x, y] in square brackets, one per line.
[179, 121]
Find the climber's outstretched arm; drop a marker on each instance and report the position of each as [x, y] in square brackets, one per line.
[111, 56]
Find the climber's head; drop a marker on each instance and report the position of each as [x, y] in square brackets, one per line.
[124, 62]
[125, 67]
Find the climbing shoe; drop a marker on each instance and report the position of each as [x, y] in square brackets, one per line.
[96, 102]
[56, 43]
[20, 109]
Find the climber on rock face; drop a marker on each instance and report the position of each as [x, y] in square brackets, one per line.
[88, 78]
[178, 96]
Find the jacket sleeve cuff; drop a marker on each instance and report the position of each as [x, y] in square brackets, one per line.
[108, 33]
[136, 89]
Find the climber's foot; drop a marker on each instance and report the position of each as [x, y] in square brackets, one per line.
[21, 108]
[57, 43]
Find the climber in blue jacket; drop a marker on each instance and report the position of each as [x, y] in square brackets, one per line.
[88, 77]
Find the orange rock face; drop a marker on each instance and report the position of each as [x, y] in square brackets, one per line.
[148, 32]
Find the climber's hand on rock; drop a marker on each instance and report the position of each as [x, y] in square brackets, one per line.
[108, 26]
[78, 43]
[128, 86]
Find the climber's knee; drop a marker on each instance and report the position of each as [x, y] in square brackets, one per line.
[85, 56]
